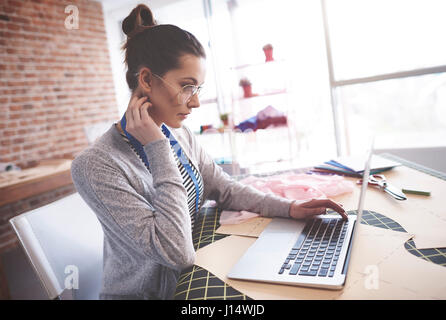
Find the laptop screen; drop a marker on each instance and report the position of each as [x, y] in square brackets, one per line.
[365, 182]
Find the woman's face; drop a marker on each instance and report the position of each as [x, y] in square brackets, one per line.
[166, 106]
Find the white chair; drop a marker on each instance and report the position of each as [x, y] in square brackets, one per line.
[95, 130]
[64, 243]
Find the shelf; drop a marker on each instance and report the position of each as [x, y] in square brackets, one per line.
[208, 101]
[244, 66]
[256, 95]
[265, 94]
[229, 130]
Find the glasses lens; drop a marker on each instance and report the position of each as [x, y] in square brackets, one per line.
[188, 92]
[199, 91]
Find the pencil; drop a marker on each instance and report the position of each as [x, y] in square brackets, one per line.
[418, 192]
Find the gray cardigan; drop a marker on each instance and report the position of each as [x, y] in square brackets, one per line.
[145, 217]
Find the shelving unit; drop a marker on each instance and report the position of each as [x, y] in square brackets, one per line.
[270, 88]
[231, 59]
[282, 91]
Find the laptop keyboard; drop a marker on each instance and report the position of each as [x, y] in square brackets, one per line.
[317, 250]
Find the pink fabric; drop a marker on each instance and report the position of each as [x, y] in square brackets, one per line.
[235, 217]
[301, 186]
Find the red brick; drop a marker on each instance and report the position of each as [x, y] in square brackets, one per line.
[15, 108]
[9, 133]
[13, 26]
[15, 116]
[19, 99]
[4, 151]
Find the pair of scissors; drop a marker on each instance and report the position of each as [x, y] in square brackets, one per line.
[380, 181]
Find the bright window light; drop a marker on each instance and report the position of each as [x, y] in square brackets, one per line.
[372, 37]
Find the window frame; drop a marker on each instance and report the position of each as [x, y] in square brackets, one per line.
[340, 129]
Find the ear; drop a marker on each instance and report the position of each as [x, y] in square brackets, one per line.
[145, 80]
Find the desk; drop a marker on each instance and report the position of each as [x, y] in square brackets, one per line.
[196, 283]
[48, 175]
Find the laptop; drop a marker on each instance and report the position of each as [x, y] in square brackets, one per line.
[314, 252]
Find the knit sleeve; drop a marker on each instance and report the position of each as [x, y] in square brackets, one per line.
[160, 229]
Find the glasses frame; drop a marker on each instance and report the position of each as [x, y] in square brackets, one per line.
[196, 90]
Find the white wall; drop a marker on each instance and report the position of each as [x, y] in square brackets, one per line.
[114, 12]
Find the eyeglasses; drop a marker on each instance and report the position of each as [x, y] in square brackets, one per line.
[185, 94]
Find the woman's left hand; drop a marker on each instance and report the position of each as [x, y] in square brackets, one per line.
[302, 210]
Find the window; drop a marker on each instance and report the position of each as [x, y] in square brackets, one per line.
[388, 66]
[238, 31]
[372, 37]
[353, 68]
[402, 113]
[295, 30]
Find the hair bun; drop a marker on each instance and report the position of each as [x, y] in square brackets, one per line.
[139, 19]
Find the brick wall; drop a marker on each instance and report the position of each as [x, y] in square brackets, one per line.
[54, 80]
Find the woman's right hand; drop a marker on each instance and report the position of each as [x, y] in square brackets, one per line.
[313, 207]
[139, 123]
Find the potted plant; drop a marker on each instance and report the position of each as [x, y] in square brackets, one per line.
[247, 87]
[224, 117]
[268, 50]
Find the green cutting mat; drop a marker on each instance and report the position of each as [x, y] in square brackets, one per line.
[196, 283]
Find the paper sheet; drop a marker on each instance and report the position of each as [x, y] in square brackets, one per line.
[433, 240]
[420, 215]
[380, 269]
[411, 276]
[249, 228]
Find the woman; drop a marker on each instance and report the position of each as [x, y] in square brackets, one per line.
[146, 177]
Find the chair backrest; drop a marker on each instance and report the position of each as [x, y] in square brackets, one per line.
[95, 130]
[64, 243]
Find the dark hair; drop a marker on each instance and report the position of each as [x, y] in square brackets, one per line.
[157, 47]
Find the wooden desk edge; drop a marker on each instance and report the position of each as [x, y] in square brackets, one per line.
[19, 192]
